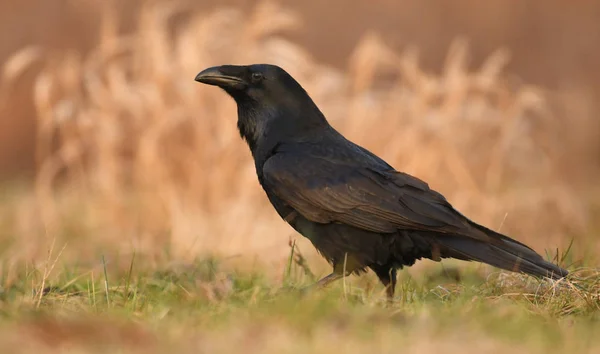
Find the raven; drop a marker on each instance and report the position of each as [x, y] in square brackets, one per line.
[356, 209]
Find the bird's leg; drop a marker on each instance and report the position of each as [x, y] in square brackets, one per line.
[391, 288]
[388, 279]
[323, 282]
[328, 279]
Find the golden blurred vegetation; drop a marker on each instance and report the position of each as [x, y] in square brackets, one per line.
[493, 104]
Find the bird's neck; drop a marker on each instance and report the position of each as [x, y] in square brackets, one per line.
[264, 129]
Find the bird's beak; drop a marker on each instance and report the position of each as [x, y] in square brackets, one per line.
[215, 76]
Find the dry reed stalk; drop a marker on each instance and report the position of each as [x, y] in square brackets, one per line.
[134, 154]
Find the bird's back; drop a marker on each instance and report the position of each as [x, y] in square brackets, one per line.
[329, 144]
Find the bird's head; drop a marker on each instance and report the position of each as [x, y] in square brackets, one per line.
[261, 83]
[269, 100]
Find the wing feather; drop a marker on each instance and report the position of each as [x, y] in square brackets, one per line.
[325, 191]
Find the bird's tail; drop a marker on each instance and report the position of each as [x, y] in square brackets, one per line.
[503, 252]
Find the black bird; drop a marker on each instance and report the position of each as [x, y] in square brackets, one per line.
[357, 210]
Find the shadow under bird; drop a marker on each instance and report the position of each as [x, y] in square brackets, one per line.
[357, 210]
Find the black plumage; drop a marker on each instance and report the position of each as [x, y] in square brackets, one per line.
[355, 208]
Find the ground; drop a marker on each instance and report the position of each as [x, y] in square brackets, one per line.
[210, 306]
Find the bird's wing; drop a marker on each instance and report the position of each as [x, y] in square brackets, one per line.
[325, 191]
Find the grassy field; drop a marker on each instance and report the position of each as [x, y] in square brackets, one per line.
[145, 228]
[210, 306]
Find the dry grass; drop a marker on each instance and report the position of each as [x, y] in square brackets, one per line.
[135, 158]
[132, 152]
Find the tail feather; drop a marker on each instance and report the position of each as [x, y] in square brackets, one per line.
[505, 254]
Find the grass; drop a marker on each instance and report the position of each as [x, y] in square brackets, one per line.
[210, 306]
[145, 228]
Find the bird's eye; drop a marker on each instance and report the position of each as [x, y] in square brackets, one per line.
[256, 77]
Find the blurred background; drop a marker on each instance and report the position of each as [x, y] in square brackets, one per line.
[108, 145]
